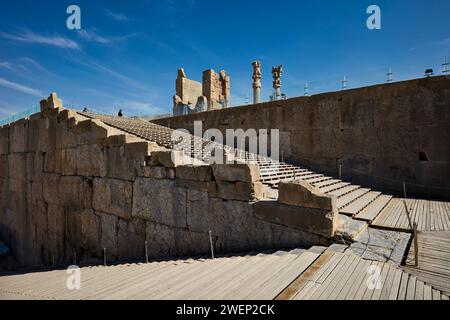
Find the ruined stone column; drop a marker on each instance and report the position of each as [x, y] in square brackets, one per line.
[256, 82]
[277, 72]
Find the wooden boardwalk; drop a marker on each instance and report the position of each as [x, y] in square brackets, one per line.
[345, 276]
[298, 274]
[434, 260]
[242, 277]
[429, 215]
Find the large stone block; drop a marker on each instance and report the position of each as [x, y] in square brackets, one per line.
[236, 172]
[4, 166]
[131, 239]
[66, 161]
[17, 166]
[47, 133]
[91, 161]
[109, 235]
[302, 194]
[158, 172]
[315, 221]
[195, 173]
[91, 230]
[90, 132]
[18, 136]
[35, 166]
[113, 196]
[50, 183]
[75, 192]
[4, 140]
[125, 162]
[242, 191]
[159, 201]
[172, 158]
[56, 232]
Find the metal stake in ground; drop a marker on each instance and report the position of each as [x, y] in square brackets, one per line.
[146, 252]
[211, 244]
[104, 257]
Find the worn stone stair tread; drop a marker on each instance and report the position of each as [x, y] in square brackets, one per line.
[372, 210]
[359, 204]
[350, 197]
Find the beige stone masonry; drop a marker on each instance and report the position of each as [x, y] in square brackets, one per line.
[236, 172]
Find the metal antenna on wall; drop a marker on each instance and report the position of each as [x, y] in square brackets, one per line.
[389, 75]
[445, 65]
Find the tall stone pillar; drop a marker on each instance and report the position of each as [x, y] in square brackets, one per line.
[277, 72]
[256, 82]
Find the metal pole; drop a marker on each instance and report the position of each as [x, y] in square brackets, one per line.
[340, 172]
[146, 252]
[407, 214]
[404, 189]
[104, 257]
[416, 245]
[211, 244]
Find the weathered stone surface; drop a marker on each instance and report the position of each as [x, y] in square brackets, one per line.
[195, 173]
[236, 172]
[113, 196]
[90, 132]
[66, 161]
[242, 191]
[4, 166]
[302, 194]
[131, 239]
[47, 134]
[50, 182]
[159, 201]
[4, 140]
[75, 192]
[109, 235]
[35, 166]
[18, 136]
[17, 166]
[56, 232]
[171, 158]
[158, 172]
[125, 162]
[316, 221]
[51, 102]
[91, 161]
[91, 230]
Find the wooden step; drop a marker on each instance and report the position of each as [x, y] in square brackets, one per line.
[372, 210]
[358, 205]
[334, 187]
[343, 191]
[350, 197]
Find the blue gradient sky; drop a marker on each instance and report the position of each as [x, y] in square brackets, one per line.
[127, 53]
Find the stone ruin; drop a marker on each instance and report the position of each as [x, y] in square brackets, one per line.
[192, 96]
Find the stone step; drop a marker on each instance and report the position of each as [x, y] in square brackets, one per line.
[372, 210]
[326, 183]
[350, 197]
[349, 229]
[359, 204]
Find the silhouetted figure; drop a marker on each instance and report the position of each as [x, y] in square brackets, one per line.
[120, 114]
[85, 110]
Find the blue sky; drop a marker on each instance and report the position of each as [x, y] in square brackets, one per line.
[127, 52]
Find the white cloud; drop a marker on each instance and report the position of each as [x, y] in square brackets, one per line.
[6, 65]
[94, 36]
[118, 16]
[21, 88]
[31, 37]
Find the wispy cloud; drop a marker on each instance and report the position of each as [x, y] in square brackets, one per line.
[21, 88]
[118, 16]
[31, 37]
[94, 36]
[6, 65]
[445, 41]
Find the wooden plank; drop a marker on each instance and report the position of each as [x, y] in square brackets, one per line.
[427, 293]
[393, 294]
[334, 187]
[411, 290]
[346, 275]
[403, 286]
[340, 192]
[373, 209]
[359, 204]
[352, 196]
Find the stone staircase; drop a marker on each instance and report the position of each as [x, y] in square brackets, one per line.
[352, 200]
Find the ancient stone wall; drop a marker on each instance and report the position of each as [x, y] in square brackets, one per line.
[381, 136]
[71, 187]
